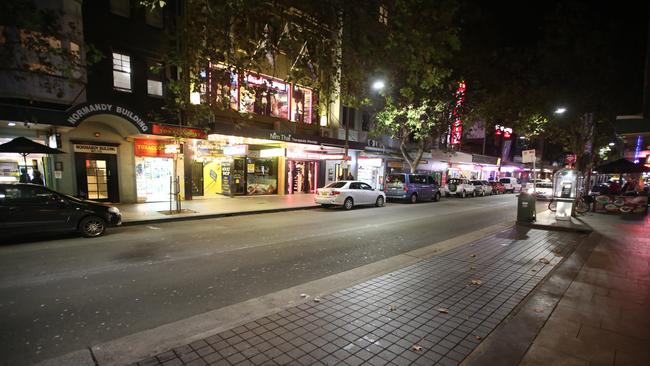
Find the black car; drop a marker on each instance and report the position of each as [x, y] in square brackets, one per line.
[29, 208]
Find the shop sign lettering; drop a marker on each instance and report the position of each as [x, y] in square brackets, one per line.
[86, 110]
[154, 148]
[287, 137]
[95, 149]
[193, 133]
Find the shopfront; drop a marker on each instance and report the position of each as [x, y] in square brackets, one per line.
[154, 170]
[12, 164]
[371, 171]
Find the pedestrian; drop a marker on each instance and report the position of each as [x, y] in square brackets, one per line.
[24, 177]
[38, 178]
[349, 177]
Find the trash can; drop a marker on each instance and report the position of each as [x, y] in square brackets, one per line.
[525, 208]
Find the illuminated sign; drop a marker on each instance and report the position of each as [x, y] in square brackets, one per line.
[503, 130]
[456, 132]
[178, 131]
[153, 148]
[95, 149]
[235, 150]
[269, 153]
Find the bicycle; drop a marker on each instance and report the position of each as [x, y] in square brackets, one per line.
[580, 205]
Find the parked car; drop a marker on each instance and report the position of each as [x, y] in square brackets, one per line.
[511, 184]
[26, 208]
[543, 189]
[460, 187]
[412, 187]
[497, 187]
[349, 193]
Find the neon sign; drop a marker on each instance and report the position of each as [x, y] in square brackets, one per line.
[457, 123]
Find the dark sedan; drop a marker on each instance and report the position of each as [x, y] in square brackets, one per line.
[29, 208]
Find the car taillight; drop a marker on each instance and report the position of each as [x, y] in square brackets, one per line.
[335, 193]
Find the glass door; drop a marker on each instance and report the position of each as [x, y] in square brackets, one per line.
[96, 179]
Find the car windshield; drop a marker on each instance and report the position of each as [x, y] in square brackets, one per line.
[336, 185]
[504, 180]
[395, 179]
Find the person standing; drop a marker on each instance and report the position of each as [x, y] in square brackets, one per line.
[38, 178]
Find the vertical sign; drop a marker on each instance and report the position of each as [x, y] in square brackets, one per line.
[456, 115]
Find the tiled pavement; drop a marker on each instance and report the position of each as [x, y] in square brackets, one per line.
[434, 312]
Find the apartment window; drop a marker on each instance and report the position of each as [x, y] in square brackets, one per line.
[154, 17]
[347, 116]
[154, 79]
[121, 72]
[75, 51]
[365, 121]
[121, 7]
[383, 14]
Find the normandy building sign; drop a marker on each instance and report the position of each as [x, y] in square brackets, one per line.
[85, 110]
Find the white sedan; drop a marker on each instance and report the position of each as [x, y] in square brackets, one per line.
[348, 193]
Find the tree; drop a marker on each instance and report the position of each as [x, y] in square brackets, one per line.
[415, 56]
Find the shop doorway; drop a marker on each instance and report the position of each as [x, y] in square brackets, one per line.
[301, 176]
[153, 177]
[97, 178]
[238, 176]
[197, 178]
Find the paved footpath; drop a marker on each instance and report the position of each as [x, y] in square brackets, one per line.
[434, 312]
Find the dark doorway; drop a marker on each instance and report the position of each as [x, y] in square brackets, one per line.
[97, 178]
[197, 178]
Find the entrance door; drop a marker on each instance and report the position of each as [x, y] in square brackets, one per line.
[197, 178]
[302, 176]
[97, 177]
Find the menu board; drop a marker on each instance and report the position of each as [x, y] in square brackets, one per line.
[225, 178]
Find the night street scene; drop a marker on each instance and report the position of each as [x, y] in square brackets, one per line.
[335, 182]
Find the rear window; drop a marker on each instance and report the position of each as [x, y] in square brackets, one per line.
[544, 185]
[477, 183]
[395, 178]
[336, 185]
[504, 180]
[418, 179]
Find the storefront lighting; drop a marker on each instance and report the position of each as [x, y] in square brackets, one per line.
[323, 121]
[270, 153]
[195, 98]
[235, 150]
[11, 124]
[374, 162]
[171, 149]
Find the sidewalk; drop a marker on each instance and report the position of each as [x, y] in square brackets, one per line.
[604, 316]
[140, 213]
[434, 312]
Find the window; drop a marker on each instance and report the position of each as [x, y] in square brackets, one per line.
[347, 116]
[121, 7]
[28, 195]
[75, 51]
[154, 17]
[365, 121]
[383, 14]
[355, 185]
[365, 186]
[301, 107]
[121, 72]
[154, 78]
[265, 96]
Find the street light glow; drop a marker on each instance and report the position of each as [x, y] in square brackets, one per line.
[611, 144]
[378, 85]
[560, 110]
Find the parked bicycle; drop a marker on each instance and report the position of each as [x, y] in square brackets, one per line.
[580, 206]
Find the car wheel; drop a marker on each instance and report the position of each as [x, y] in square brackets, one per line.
[92, 226]
[482, 193]
[380, 201]
[474, 193]
[349, 203]
[436, 197]
[463, 195]
[414, 198]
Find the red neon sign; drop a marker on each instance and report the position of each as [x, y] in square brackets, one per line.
[456, 132]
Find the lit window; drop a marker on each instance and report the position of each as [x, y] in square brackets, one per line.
[121, 72]
[75, 51]
[154, 17]
[301, 107]
[121, 7]
[154, 79]
[383, 14]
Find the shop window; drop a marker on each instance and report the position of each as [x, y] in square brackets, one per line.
[262, 176]
[221, 88]
[154, 17]
[121, 72]
[264, 96]
[365, 121]
[302, 105]
[154, 78]
[121, 7]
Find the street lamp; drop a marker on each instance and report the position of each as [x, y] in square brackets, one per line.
[560, 110]
[378, 85]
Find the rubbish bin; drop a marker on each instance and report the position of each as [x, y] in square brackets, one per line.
[525, 208]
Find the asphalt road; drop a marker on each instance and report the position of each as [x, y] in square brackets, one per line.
[62, 295]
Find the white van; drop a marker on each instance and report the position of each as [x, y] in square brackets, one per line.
[511, 184]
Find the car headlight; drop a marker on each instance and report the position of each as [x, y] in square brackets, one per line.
[113, 210]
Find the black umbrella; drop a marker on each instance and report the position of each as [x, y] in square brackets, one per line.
[621, 166]
[25, 146]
